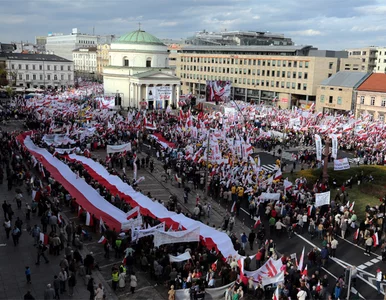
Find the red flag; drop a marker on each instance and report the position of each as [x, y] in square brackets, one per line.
[276, 295]
[356, 234]
[89, 219]
[375, 239]
[44, 238]
[102, 240]
[233, 208]
[258, 222]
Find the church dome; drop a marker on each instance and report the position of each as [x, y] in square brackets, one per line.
[139, 37]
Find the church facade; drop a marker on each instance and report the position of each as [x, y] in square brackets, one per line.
[139, 72]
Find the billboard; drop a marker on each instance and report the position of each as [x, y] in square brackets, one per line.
[218, 90]
[159, 94]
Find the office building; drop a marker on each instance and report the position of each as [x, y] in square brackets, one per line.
[102, 57]
[238, 38]
[279, 75]
[381, 60]
[63, 45]
[367, 55]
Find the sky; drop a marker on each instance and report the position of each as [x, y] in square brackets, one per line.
[326, 24]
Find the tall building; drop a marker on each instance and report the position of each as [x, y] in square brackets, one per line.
[381, 60]
[288, 75]
[238, 38]
[85, 61]
[367, 55]
[138, 72]
[102, 57]
[38, 70]
[63, 45]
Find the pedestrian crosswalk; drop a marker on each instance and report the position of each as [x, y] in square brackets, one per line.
[269, 168]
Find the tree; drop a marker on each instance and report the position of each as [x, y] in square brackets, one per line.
[3, 76]
[9, 91]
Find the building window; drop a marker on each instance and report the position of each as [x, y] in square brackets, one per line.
[330, 65]
[300, 75]
[40, 67]
[27, 77]
[339, 101]
[48, 67]
[33, 67]
[55, 77]
[125, 62]
[306, 64]
[293, 85]
[381, 118]
[19, 67]
[362, 100]
[290, 64]
[13, 67]
[322, 98]
[287, 85]
[383, 102]
[26, 67]
[330, 99]
[295, 64]
[300, 64]
[294, 75]
[54, 68]
[372, 101]
[41, 77]
[304, 86]
[284, 63]
[305, 75]
[69, 67]
[61, 68]
[20, 77]
[279, 63]
[69, 77]
[48, 77]
[33, 77]
[299, 86]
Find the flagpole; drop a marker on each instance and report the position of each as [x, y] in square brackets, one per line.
[325, 166]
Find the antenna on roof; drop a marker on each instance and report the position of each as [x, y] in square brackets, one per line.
[139, 25]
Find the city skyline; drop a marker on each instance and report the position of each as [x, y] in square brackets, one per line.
[329, 24]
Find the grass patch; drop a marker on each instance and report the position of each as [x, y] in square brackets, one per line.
[364, 194]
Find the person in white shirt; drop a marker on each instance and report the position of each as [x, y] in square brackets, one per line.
[334, 245]
[301, 295]
[378, 278]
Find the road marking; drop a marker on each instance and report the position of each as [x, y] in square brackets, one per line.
[375, 260]
[108, 265]
[356, 245]
[369, 263]
[338, 261]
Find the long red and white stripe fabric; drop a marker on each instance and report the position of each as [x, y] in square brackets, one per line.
[211, 236]
[86, 196]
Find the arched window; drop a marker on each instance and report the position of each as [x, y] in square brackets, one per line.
[148, 62]
[125, 61]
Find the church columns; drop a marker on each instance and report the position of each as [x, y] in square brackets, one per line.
[147, 92]
[139, 92]
[178, 95]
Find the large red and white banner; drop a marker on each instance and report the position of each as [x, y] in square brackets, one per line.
[211, 236]
[86, 196]
[218, 90]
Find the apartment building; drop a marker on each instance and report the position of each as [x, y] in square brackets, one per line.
[353, 64]
[279, 75]
[381, 60]
[371, 97]
[38, 70]
[102, 57]
[367, 55]
[85, 60]
[336, 94]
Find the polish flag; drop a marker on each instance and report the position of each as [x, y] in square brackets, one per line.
[233, 208]
[60, 218]
[80, 210]
[301, 261]
[305, 271]
[102, 240]
[132, 213]
[102, 227]
[352, 207]
[309, 211]
[214, 266]
[278, 175]
[276, 295]
[89, 219]
[44, 238]
[356, 234]
[375, 239]
[287, 184]
[258, 222]
[48, 189]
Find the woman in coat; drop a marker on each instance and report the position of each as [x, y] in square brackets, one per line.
[122, 280]
[133, 282]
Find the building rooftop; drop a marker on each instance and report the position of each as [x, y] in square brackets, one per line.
[36, 57]
[247, 48]
[345, 79]
[376, 82]
[139, 37]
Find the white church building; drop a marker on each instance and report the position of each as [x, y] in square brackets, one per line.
[139, 72]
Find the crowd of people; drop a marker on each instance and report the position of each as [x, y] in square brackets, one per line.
[235, 176]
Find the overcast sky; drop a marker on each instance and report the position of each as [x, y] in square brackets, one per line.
[327, 24]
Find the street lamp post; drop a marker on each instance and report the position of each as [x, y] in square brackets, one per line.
[325, 166]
